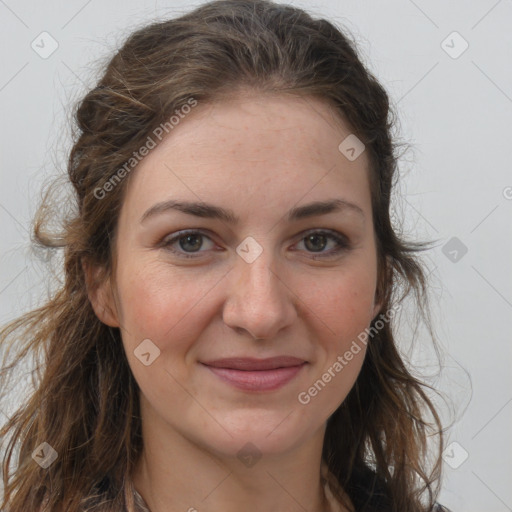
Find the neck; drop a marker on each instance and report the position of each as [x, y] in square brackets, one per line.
[174, 473]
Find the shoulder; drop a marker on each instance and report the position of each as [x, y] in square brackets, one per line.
[440, 508]
[369, 492]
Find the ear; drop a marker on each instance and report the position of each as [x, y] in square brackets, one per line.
[383, 281]
[101, 296]
[376, 309]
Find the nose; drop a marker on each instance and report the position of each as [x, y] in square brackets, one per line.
[259, 301]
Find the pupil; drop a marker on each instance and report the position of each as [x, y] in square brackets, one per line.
[310, 238]
[187, 238]
[315, 246]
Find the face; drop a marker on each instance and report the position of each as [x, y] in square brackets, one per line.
[247, 303]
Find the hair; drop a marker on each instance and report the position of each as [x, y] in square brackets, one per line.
[85, 403]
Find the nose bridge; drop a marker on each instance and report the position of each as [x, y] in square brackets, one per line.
[258, 301]
[257, 280]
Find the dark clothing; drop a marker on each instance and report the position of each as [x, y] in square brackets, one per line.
[369, 494]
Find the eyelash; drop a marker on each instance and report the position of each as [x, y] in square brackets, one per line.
[341, 241]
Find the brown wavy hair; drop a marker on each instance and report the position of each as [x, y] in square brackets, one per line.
[85, 402]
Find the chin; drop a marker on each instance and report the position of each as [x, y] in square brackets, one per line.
[265, 432]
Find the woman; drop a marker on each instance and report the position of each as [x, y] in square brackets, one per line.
[223, 339]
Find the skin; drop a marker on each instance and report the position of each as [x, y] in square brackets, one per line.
[258, 155]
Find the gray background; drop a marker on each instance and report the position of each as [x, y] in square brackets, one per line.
[457, 114]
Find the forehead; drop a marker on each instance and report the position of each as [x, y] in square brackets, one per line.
[254, 124]
[254, 149]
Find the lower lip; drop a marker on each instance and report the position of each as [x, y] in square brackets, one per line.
[262, 380]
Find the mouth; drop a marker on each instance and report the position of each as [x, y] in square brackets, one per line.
[250, 374]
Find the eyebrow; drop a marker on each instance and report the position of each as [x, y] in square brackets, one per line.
[205, 210]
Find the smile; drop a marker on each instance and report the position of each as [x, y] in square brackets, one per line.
[256, 375]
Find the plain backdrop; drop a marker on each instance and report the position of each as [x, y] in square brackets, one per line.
[448, 69]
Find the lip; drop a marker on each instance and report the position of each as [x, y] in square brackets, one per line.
[251, 374]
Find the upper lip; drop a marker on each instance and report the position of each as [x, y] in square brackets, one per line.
[253, 364]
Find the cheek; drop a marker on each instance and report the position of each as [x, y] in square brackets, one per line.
[344, 302]
[159, 304]
[342, 309]
[170, 310]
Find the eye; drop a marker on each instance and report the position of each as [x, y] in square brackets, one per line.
[317, 241]
[186, 243]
